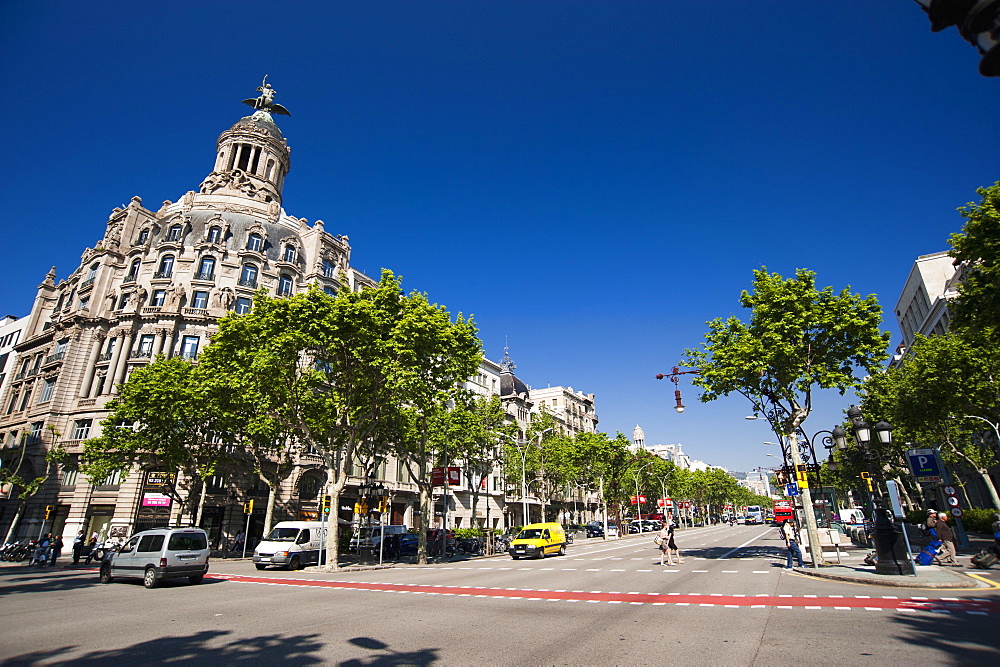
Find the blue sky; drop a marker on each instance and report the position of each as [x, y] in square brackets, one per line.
[593, 181]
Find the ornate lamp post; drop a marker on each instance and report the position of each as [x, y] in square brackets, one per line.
[892, 555]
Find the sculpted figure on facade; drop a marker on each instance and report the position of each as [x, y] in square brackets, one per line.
[175, 295]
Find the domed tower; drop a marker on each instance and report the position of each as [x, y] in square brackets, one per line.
[514, 395]
[252, 157]
[638, 438]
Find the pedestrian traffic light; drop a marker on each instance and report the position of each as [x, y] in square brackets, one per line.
[364, 507]
[383, 506]
[49, 509]
[326, 504]
[978, 22]
[248, 507]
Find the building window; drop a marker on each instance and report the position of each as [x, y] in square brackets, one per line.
[189, 347]
[216, 484]
[166, 267]
[84, 302]
[145, 346]
[113, 479]
[308, 488]
[69, 474]
[206, 269]
[289, 255]
[243, 305]
[329, 290]
[255, 242]
[35, 435]
[284, 285]
[48, 387]
[133, 270]
[13, 402]
[143, 237]
[214, 234]
[199, 299]
[25, 399]
[122, 300]
[93, 271]
[159, 296]
[174, 233]
[82, 429]
[248, 278]
[329, 269]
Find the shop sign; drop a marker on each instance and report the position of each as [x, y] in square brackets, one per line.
[159, 478]
[155, 500]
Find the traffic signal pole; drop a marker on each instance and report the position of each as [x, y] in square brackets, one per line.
[248, 510]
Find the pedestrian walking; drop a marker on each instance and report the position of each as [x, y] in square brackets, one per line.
[947, 537]
[663, 542]
[55, 550]
[931, 522]
[791, 544]
[996, 534]
[239, 541]
[78, 547]
[671, 545]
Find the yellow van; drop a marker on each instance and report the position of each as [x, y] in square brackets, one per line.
[537, 539]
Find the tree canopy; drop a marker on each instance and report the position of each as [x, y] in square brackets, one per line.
[977, 246]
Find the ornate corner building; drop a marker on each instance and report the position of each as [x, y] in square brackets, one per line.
[156, 283]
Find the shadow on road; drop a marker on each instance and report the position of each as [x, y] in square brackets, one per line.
[13, 582]
[964, 639]
[201, 648]
[387, 656]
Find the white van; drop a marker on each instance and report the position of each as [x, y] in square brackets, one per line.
[376, 533]
[291, 544]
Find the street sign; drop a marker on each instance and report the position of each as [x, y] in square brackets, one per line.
[956, 512]
[897, 507]
[791, 489]
[641, 500]
[924, 464]
[950, 490]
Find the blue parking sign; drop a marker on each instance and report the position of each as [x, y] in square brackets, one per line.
[791, 489]
[924, 464]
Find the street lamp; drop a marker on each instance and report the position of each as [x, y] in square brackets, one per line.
[674, 374]
[892, 556]
[638, 507]
[524, 487]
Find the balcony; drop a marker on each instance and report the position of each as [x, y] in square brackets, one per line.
[162, 275]
[248, 282]
[208, 275]
[141, 354]
[89, 282]
[196, 312]
[151, 310]
[130, 278]
[106, 356]
[285, 292]
[53, 358]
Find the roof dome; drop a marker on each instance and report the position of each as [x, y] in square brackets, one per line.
[510, 385]
[259, 123]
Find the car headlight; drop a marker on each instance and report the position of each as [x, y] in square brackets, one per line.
[281, 553]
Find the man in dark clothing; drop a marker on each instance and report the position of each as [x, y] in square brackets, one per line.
[947, 537]
[56, 550]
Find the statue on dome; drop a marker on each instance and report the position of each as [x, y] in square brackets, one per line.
[266, 101]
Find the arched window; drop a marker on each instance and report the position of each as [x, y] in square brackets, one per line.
[248, 277]
[255, 242]
[133, 270]
[289, 255]
[166, 267]
[174, 233]
[93, 270]
[308, 488]
[206, 269]
[215, 234]
[284, 285]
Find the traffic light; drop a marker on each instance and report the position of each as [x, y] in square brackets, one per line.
[802, 476]
[867, 476]
[49, 509]
[326, 504]
[978, 22]
[383, 506]
[248, 507]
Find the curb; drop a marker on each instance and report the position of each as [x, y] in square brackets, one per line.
[870, 581]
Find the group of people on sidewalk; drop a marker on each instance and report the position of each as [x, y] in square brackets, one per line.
[47, 550]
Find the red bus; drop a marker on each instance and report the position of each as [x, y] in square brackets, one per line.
[784, 510]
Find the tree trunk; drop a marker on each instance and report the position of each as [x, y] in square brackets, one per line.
[272, 491]
[13, 524]
[201, 504]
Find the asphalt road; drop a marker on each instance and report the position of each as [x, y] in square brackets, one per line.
[605, 602]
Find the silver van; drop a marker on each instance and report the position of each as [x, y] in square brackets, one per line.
[160, 553]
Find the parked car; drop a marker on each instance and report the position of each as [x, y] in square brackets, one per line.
[160, 553]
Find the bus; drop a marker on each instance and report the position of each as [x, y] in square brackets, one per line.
[755, 515]
[784, 510]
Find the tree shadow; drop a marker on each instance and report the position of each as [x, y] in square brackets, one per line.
[965, 639]
[387, 656]
[199, 648]
[37, 580]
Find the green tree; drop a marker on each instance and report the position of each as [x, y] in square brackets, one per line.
[19, 475]
[925, 399]
[798, 338]
[978, 247]
[479, 439]
[163, 417]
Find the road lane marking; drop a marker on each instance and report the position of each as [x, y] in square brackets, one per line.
[977, 606]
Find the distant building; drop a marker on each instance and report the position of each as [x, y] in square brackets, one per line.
[574, 410]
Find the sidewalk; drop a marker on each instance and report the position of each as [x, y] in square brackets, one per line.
[853, 569]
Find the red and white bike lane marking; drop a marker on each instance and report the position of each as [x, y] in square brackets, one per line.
[977, 606]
